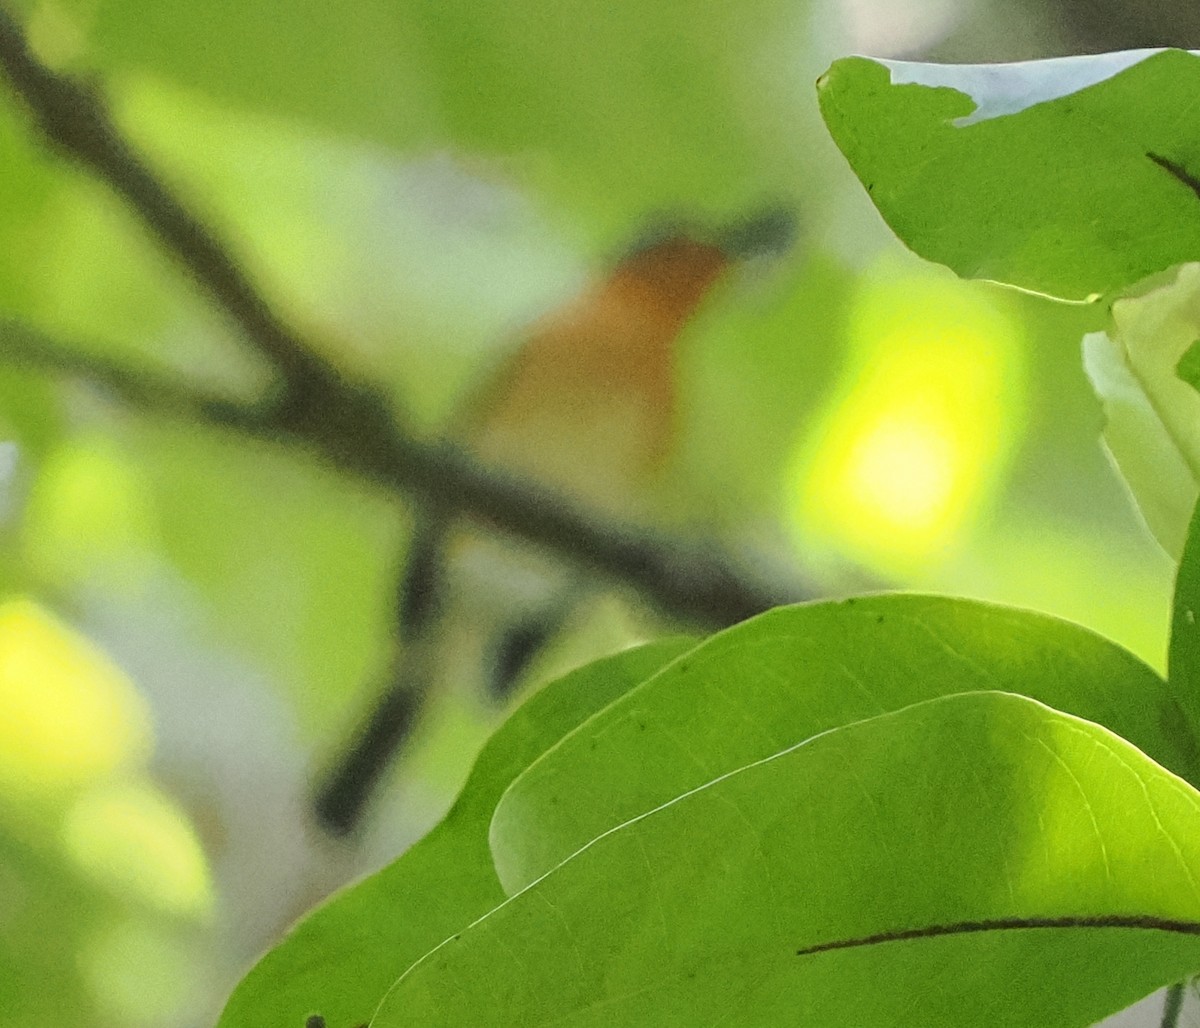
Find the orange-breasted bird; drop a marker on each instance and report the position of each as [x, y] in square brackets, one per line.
[584, 405]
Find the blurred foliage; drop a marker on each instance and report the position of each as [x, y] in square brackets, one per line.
[412, 184]
[97, 866]
[548, 85]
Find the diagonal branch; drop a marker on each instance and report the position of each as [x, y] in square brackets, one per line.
[347, 423]
[694, 583]
[689, 583]
[75, 120]
[28, 349]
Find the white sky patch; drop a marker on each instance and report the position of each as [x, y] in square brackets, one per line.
[1000, 89]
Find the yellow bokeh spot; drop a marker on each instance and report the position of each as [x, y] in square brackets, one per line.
[90, 511]
[133, 839]
[903, 468]
[67, 713]
[909, 447]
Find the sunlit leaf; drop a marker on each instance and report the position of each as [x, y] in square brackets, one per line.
[1071, 177]
[791, 674]
[1029, 852]
[1183, 663]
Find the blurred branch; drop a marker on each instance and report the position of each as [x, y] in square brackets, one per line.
[347, 423]
[27, 349]
[1097, 26]
[1172, 1006]
[74, 119]
[319, 409]
[358, 437]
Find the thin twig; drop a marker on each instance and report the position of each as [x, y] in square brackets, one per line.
[697, 583]
[27, 349]
[345, 788]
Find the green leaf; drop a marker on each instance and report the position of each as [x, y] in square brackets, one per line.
[1152, 416]
[1183, 659]
[1072, 177]
[1188, 368]
[795, 672]
[753, 899]
[342, 958]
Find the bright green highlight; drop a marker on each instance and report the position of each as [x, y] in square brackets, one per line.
[131, 838]
[909, 450]
[68, 715]
[141, 974]
[91, 512]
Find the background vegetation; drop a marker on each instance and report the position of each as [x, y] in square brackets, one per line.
[207, 616]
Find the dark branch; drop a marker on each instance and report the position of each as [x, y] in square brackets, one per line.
[1172, 1006]
[358, 437]
[27, 349]
[696, 583]
[1143, 922]
[75, 121]
[1176, 171]
[344, 791]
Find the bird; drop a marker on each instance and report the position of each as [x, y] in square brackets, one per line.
[584, 404]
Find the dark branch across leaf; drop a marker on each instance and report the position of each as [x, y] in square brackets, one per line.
[1144, 922]
[1176, 171]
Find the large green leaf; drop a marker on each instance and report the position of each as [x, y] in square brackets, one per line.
[1073, 177]
[795, 672]
[342, 958]
[955, 820]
